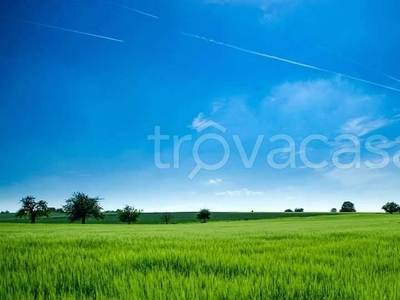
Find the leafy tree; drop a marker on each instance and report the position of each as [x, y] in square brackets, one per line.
[166, 217]
[299, 210]
[81, 207]
[288, 210]
[128, 215]
[348, 206]
[203, 215]
[333, 210]
[7, 212]
[32, 209]
[391, 207]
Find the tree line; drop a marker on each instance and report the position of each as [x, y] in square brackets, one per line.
[81, 207]
[347, 206]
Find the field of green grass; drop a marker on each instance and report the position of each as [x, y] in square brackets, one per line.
[180, 217]
[355, 256]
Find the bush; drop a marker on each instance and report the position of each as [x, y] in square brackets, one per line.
[288, 210]
[391, 207]
[203, 215]
[128, 215]
[166, 217]
[348, 206]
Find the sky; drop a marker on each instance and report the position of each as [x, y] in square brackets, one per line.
[96, 96]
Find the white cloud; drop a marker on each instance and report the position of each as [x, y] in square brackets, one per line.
[363, 125]
[199, 121]
[273, 10]
[387, 145]
[242, 192]
[322, 105]
[215, 181]
[217, 106]
[359, 177]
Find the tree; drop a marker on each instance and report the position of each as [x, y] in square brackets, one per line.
[391, 207]
[32, 209]
[288, 210]
[299, 210]
[128, 215]
[348, 206]
[203, 215]
[81, 207]
[333, 210]
[166, 217]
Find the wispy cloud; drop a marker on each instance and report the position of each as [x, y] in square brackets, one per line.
[288, 61]
[215, 181]
[199, 121]
[387, 145]
[358, 177]
[242, 192]
[363, 125]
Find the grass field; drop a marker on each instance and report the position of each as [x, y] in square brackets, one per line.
[353, 256]
[155, 218]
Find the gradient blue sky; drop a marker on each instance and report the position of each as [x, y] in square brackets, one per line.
[76, 110]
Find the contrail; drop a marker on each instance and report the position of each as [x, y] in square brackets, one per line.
[358, 63]
[287, 61]
[68, 30]
[304, 38]
[134, 10]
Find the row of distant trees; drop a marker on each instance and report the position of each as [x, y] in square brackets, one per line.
[347, 206]
[81, 207]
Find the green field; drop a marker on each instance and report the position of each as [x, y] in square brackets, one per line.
[355, 256]
[180, 217]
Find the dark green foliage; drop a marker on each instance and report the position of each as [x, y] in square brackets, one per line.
[288, 210]
[348, 206]
[80, 207]
[333, 210]
[391, 207]
[299, 210]
[128, 215]
[203, 215]
[166, 217]
[178, 217]
[32, 209]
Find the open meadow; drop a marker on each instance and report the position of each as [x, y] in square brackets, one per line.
[355, 256]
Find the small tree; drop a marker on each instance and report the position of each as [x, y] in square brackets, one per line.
[32, 209]
[348, 206]
[391, 207]
[81, 207]
[333, 210]
[203, 215]
[299, 210]
[128, 215]
[166, 217]
[288, 210]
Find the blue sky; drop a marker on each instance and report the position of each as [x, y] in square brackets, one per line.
[76, 109]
